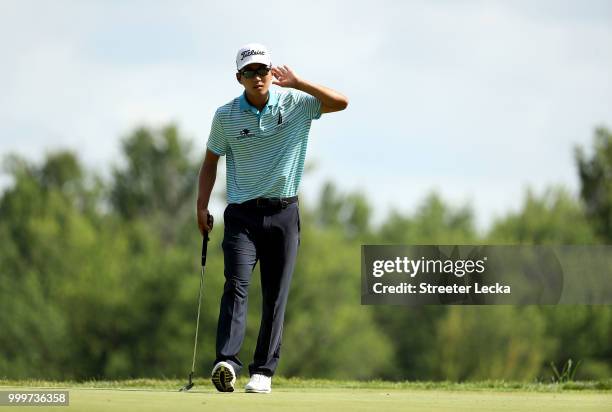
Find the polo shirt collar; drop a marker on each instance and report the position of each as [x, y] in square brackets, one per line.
[245, 106]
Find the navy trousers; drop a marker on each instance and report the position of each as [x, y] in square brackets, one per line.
[271, 236]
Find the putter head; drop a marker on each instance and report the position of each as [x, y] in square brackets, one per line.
[189, 384]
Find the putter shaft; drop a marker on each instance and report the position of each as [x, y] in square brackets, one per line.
[189, 384]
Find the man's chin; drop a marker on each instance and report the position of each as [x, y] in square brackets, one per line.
[261, 92]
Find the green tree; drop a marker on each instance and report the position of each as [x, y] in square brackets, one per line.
[596, 182]
[433, 222]
[580, 333]
[544, 219]
[86, 297]
[89, 290]
[157, 181]
[413, 330]
[503, 342]
[45, 238]
[350, 212]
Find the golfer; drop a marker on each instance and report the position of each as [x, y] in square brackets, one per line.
[264, 134]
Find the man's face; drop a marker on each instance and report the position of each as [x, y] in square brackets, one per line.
[254, 80]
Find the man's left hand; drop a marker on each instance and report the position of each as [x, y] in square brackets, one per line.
[285, 77]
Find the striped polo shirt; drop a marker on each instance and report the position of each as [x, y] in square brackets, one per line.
[265, 149]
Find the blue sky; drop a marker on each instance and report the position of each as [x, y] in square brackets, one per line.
[477, 100]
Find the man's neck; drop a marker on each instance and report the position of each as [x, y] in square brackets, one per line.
[257, 101]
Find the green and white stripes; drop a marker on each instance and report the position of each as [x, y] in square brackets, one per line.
[265, 150]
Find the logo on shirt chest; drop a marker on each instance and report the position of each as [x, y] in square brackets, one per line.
[280, 124]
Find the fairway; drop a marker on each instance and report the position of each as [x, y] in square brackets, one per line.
[333, 399]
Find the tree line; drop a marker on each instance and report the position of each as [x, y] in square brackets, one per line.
[99, 277]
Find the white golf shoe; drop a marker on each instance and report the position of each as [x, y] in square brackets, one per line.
[223, 377]
[259, 384]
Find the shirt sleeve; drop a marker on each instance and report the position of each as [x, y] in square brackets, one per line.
[310, 104]
[217, 141]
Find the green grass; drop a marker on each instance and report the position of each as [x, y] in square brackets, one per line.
[315, 394]
[297, 383]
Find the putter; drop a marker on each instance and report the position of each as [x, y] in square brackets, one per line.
[205, 239]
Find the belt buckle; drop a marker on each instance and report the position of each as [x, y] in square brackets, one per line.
[272, 202]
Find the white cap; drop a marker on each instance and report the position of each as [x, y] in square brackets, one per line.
[252, 53]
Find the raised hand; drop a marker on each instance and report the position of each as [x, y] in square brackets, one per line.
[285, 77]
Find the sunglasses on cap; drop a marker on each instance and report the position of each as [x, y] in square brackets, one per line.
[249, 74]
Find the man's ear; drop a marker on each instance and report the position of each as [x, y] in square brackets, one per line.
[238, 78]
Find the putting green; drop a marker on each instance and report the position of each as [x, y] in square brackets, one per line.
[334, 399]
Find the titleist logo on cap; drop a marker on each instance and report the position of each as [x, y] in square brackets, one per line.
[248, 53]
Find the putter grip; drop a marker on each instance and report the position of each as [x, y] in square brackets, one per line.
[204, 248]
